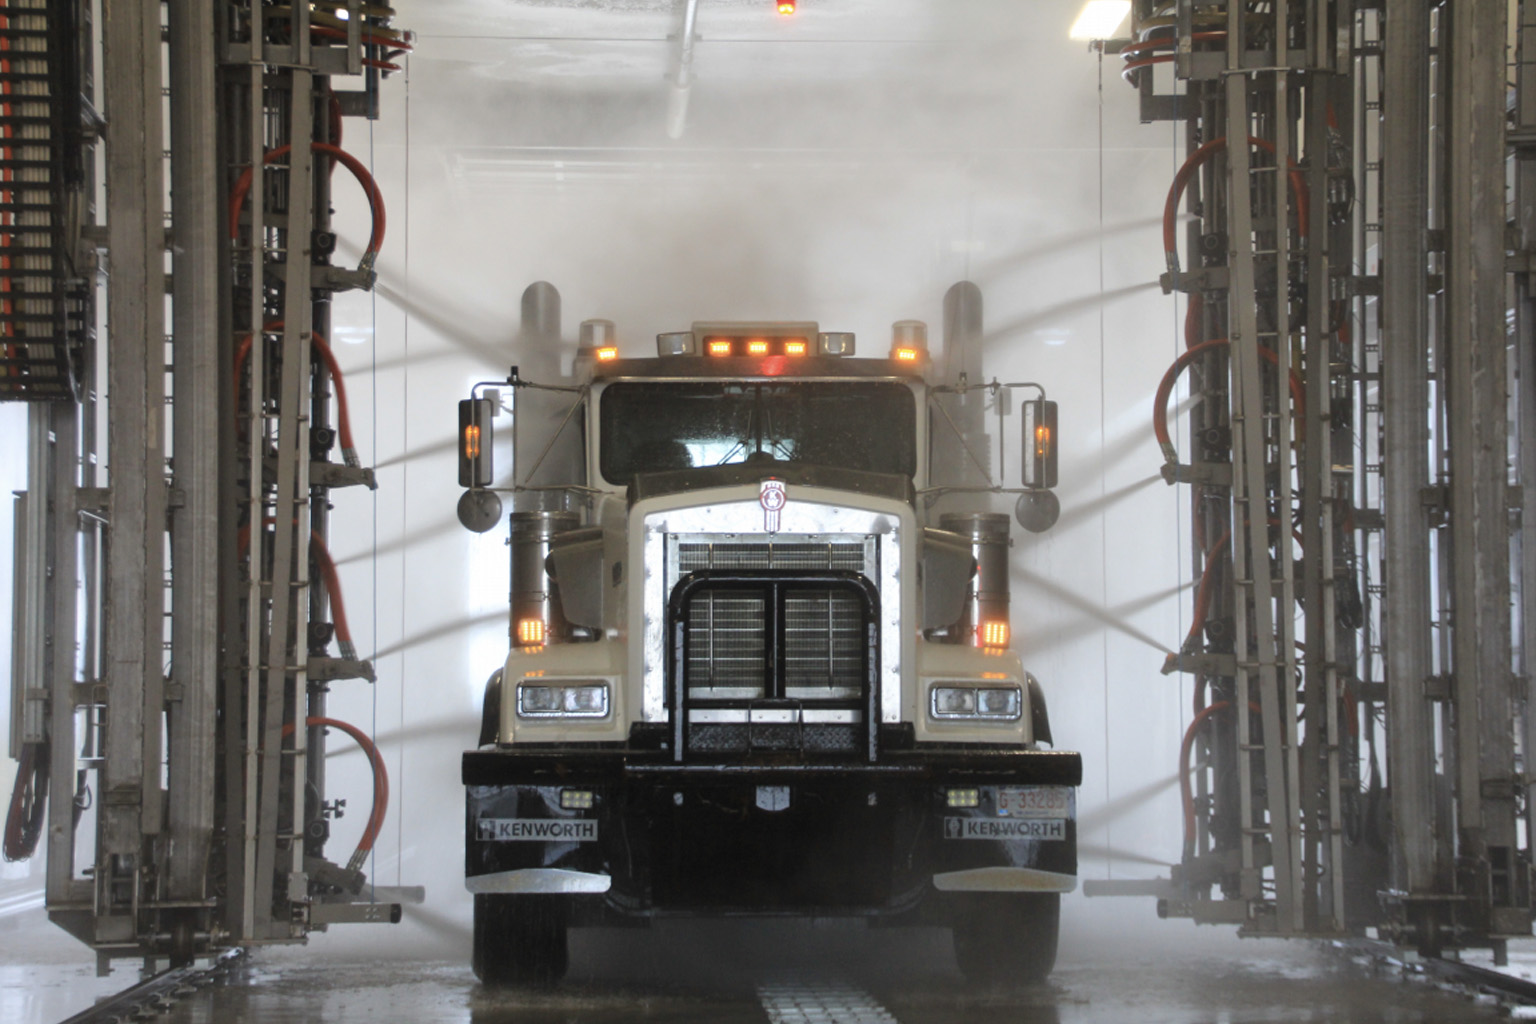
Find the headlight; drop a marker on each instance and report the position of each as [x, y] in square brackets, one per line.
[998, 703]
[576, 700]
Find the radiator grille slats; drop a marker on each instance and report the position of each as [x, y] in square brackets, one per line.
[727, 641]
[823, 646]
[726, 646]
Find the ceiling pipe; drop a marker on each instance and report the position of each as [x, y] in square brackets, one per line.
[677, 98]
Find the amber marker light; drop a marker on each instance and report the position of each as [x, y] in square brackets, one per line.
[471, 442]
[794, 347]
[757, 347]
[786, 7]
[994, 634]
[719, 347]
[906, 355]
[530, 632]
[607, 354]
[1042, 440]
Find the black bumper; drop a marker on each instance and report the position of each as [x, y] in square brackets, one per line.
[767, 835]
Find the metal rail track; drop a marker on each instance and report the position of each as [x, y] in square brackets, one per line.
[154, 995]
[1473, 978]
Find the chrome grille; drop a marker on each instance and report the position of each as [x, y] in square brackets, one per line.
[823, 645]
[823, 629]
[726, 645]
[836, 553]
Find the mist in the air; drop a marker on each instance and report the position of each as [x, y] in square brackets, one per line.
[845, 166]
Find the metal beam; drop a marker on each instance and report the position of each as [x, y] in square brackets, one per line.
[195, 350]
[1405, 470]
[1525, 342]
[1478, 405]
[130, 804]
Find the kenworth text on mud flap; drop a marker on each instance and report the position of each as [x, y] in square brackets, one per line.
[761, 658]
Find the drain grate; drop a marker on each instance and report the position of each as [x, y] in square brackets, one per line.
[820, 1002]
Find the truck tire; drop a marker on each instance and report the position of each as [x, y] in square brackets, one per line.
[520, 940]
[1003, 939]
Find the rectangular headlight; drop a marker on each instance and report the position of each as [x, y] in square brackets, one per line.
[998, 702]
[538, 700]
[954, 702]
[994, 703]
[574, 700]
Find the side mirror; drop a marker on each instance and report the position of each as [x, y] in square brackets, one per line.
[479, 509]
[1039, 444]
[475, 441]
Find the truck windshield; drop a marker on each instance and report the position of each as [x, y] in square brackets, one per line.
[657, 427]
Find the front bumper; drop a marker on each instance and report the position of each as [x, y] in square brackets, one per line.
[768, 835]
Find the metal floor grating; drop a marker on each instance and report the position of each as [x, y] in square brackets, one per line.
[820, 1002]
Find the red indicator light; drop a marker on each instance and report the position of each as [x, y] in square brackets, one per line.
[719, 348]
[794, 347]
[786, 7]
[757, 347]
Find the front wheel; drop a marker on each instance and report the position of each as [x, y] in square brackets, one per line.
[1007, 938]
[520, 940]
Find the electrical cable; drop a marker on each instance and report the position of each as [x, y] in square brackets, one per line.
[338, 379]
[29, 795]
[242, 188]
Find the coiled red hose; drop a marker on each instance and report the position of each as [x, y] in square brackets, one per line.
[380, 783]
[1187, 171]
[370, 187]
[1165, 389]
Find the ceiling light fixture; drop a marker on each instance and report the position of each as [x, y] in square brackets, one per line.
[1099, 19]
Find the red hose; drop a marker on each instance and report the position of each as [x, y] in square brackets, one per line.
[1203, 591]
[327, 565]
[1132, 66]
[380, 783]
[1165, 389]
[343, 414]
[1187, 171]
[1186, 792]
[1169, 42]
[331, 578]
[375, 197]
[369, 39]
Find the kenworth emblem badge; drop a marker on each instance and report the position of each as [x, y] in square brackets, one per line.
[773, 497]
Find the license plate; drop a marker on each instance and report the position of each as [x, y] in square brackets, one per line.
[1034, 801]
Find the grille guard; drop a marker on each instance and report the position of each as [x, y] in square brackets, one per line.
[773, 583]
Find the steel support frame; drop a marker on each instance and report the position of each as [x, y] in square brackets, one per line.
[131, 801]
[1405, 402]
[201, 365]
[1477, 406]
[1524, 219]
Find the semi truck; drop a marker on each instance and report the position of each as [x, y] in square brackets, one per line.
[761, 659]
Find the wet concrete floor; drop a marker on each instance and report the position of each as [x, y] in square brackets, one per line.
[1117, 964]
